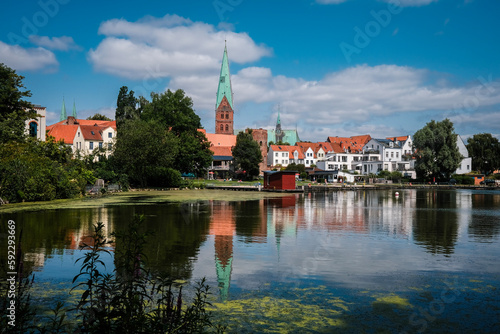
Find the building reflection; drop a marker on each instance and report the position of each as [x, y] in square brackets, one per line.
[223, 228]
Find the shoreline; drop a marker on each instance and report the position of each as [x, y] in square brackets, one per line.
[156, 196]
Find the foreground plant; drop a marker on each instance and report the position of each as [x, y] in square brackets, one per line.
[132, 299]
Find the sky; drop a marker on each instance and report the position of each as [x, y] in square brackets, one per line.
[329, 67]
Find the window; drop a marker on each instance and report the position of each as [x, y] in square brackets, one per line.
[344, 158]
[283, 154]
[227, 116]
[33, 129]
[100, 144]
[387, 154]
[222, 127]
[397, 154]
[227, 127]
[91, 145]
[392, 154]
[110, 134]
[276, 161]
[78, 134]
[110, 146]
[276, 154]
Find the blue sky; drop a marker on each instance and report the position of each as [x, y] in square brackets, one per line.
[332, 67]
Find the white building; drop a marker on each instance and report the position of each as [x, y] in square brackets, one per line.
[37, 127]
[466, 163]
[85, 136]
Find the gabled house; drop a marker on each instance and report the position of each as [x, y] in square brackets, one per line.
[278, 155]
[84, 136]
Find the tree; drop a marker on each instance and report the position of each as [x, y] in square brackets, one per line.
[14, 111]
[174, 110]
[99, 117]
[146, 152]
[194, 153]
[246, 154]
[126, 107]
[436, 150]
[484, 149]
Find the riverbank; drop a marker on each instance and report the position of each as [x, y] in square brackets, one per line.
[143, 196]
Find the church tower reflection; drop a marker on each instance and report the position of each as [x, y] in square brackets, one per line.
[223, 228]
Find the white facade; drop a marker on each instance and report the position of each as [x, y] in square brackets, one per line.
[276, 156]
[37, 127]
[466, 163]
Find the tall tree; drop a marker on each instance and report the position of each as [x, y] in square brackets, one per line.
[14, 111]
[126, 107]
[436, 150]
[174, 110]
[484, 149]
[246, 154]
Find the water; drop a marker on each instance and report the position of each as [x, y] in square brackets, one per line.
[423, 261]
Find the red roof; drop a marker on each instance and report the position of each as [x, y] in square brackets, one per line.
[221, 140]
[64, 132]
[401, 138]
[222, 151]
[353, 144]
[90, 132]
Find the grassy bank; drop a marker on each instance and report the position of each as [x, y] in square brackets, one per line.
[140, 197]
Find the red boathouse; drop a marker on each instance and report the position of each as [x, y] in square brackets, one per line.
[279, 180]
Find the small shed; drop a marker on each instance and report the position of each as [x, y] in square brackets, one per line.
[279, 180]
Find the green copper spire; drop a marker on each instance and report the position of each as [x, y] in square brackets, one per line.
[74, 110]
[63, 112]
[279, 120]
[224, 82]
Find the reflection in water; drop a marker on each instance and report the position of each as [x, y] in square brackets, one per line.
[436, 221]
[342, 240]
[223, 227]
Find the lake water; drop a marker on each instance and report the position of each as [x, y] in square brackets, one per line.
[354, 261]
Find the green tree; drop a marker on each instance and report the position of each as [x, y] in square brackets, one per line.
[484, 149]
[146, 152]
[14, 111]
[174, 110]
[436, 150]
[246, 154]
[126, 107]
[301, 168]
[194, 153]
[99, 117]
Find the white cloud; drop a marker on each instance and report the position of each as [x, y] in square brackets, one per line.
[27, 59]
[63, 43]
[351, 101]
[168, 47]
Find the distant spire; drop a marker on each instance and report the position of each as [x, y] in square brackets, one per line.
[279, 120]
[225, 88]
[63, 112]
[74, 110]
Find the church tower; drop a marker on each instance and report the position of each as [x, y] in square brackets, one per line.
[224, 106]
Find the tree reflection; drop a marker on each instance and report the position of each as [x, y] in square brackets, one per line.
[436, 221]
